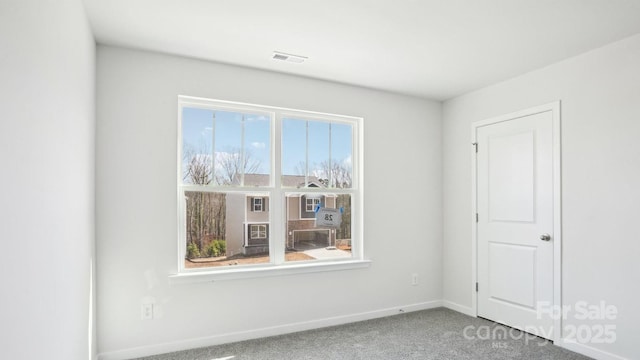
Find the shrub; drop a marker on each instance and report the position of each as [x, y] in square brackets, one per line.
[217, 248]
[222, 246]
[210, 250]
[192, 250]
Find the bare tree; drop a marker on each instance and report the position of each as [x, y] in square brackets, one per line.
[230, 165]
[205, 217]
[205, 212]
[343, 201]
[199, 166]
[337, 175]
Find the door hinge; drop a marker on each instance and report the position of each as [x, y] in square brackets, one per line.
[477, 217]
[476, 287]
[476, 146]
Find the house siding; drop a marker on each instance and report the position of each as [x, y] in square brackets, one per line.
[304, 214]
[293, 208]
[257, 216]
[330, 202]
[235, 223]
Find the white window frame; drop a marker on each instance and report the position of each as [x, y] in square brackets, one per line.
[314, 203]
[277, 237]
[262, 229]
[254, 204]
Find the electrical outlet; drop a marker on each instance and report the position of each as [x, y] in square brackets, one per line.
[147, 311]
[414, 279]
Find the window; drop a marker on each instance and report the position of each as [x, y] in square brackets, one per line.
[311, 204]
[258, 231]
[256, 204]
[251, 179]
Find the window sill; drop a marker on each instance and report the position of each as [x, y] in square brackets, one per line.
[266, 271]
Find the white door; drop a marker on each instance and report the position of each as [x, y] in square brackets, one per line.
[515, 222]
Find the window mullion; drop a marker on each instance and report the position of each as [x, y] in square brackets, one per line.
[277, 206]
[213, 151]
[182, 227]
[242, 154]
[330, 170]
[306, 154]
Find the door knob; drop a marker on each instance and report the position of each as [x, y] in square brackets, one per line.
[545, 237]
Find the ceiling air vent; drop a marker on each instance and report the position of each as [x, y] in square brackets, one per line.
[296, 59]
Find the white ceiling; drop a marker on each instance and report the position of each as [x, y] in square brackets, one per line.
[434, 49]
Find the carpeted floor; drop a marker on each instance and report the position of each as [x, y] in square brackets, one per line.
[429, 334]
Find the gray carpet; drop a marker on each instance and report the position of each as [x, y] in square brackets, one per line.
[429, 334]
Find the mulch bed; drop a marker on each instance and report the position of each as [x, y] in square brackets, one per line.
[240, 260]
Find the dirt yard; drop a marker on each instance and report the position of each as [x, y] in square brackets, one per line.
[240, 260]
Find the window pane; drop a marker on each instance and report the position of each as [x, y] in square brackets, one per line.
[242, 149]
[305, 239]
[341, 155]
[319, 156]
[223, 229]
[228, 147]
[319, 152]
[294, 145]
[258, 150]
[197, 140]
[242, 144]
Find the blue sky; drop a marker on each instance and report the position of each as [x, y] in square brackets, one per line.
[198, 133]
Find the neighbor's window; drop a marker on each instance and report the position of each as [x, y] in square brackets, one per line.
[311, 204]
[260, 186]
[258, 231]
[257, 204]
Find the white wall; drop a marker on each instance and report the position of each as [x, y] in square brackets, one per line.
[136, 206]
[47, 72]
[600, 94]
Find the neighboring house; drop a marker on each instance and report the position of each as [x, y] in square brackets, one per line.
[247, 217]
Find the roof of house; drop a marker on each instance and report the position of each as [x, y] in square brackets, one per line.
[295, 181]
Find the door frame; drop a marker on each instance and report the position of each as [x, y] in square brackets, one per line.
[554, 107]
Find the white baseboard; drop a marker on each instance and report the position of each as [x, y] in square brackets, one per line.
[459, 308]
[264, 332]
[589, 351]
